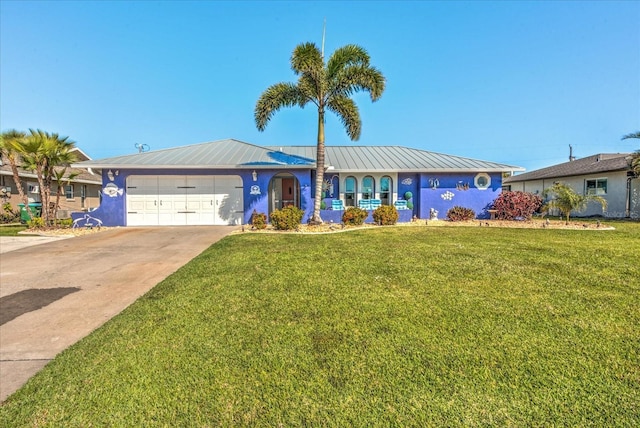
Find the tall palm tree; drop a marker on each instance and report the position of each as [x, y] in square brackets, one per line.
[42, 153]
[11, 145]
[329, 87]
[566, 199]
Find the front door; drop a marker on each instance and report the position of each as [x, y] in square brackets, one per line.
[288, 195]
[284, 191]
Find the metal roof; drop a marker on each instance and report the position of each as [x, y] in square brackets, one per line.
[396, 158]
[599, 163]
[237, 154]
[217, 154]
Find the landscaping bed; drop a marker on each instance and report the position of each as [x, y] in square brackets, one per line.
[577, 224]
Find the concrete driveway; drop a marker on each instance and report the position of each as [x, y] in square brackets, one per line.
[57, 291]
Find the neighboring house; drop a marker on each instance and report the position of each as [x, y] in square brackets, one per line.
[224, 182]
[606, 175]
[80, 194]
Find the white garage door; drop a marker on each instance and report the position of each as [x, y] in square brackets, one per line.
[170, 200]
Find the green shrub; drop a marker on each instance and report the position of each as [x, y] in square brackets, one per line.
[8, 215]
[408, 196]
[288, 218]
[35, 223]
[385, 215]
[323, 205]
[461, 214]
[354, 216]
[258, 220]
[65, 223]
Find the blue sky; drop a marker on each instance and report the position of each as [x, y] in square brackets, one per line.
[511, 82]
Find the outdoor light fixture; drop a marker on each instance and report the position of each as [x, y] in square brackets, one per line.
[254, 174]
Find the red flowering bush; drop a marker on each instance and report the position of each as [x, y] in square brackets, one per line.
[513, 205]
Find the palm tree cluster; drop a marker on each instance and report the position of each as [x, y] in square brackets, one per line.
[47, 155]
[329, 86]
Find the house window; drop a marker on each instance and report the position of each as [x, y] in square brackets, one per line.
[597, 186]
[385, 190]
[482, 181]
[4, 185]
[350, 192]
[68, 191]
[367, 188]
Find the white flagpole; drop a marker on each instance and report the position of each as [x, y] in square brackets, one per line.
[324, 29]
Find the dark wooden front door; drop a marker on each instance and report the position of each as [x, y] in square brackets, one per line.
[288, 190]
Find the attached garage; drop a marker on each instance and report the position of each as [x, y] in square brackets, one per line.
[180, 200]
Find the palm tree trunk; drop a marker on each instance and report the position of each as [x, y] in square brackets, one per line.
[16, 179]
[55, 207]
[44, 198]
[316, 219]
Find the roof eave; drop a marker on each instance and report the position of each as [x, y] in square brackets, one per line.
[132, 166]
[428, 170]
[518, 179]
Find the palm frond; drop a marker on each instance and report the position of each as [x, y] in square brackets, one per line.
[313, 88]
[273, 99]
[346, 56]
[11, 142]
[347, 111]
[359, 78]
[307, 58]
[632, 135]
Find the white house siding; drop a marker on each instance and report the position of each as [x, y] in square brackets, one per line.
[635, 198]
[616, 196]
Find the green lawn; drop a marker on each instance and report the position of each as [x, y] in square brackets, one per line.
[11, 230]
[406, 326]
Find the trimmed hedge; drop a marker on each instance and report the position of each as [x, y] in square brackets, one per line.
[288, 218]
[354, 216]
[385, 215]
[258, 220]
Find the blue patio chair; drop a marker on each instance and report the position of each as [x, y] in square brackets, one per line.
[365, 204]
[375, 204]
[400, 205]
[336, 205]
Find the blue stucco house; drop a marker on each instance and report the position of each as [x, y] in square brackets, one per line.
[224, 182]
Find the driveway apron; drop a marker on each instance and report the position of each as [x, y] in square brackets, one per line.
[56, 293]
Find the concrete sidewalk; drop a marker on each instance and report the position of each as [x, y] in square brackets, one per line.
[92, 277]
[12, 243]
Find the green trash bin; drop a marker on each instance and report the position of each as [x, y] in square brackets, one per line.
[36, 211]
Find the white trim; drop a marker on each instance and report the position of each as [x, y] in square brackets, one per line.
[479, 176]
